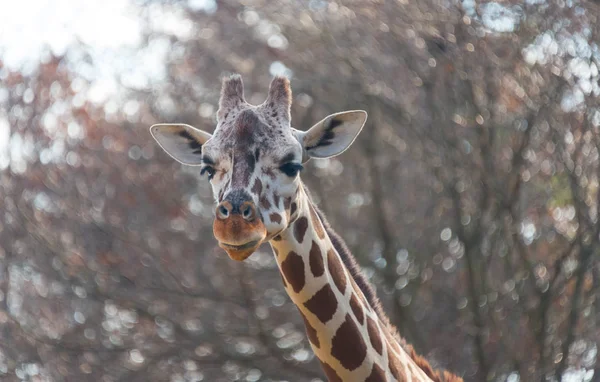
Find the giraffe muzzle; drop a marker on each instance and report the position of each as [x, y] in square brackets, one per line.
[240, 252]
[238, 229]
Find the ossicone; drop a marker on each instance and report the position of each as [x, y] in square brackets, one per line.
[232, 94]
[279, 100]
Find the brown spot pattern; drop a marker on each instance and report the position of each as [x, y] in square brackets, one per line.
[300, 227]
[395, 368]
[286, 203]
[264, 203]
[269, 172]
[276, 200]
[357, 309]
[336, 270]
[277, 238]
[317, 223]
[316, 260]
[293, 269]
[374, 335]
[322, 304]
[283, 279]
[332, 375]
[257, 188]
[293, 208]
[348, 346]
[377, 374]
[275, 218]
[310, 331]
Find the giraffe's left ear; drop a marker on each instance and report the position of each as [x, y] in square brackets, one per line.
[182, 142]
[333, 135]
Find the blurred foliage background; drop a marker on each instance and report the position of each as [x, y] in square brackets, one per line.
[470, 199]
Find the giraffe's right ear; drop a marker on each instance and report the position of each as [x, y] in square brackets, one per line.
[182, 142]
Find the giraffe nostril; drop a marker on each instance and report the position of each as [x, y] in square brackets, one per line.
[248, 212]
[223, 212]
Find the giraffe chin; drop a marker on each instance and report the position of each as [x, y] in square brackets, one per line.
[240, 252]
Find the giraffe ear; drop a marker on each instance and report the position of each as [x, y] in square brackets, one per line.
[182, 142]
[333, 135]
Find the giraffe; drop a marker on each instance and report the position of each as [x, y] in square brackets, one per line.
[253, 160]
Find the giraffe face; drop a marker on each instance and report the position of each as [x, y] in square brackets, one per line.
[254, 172]
[253, 160]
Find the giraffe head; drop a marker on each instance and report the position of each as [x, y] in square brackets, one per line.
[253, 160]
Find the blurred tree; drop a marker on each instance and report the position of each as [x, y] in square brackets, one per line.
[471, 197]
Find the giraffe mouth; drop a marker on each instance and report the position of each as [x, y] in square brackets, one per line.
[248, 245]
[240, 252]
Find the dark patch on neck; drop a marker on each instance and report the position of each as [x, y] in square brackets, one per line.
[323, 304]
[316, 260]
[300, 227]
[377, 374]
[293, 269]
[336, 271]
[395, 367]
[374, 335]
[369, 293]
[350, 264]
[348, 345]
[310, 331]
[331, 374]
[357, 308]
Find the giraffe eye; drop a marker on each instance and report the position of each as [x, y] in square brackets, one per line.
[291, 169]
[208, 170]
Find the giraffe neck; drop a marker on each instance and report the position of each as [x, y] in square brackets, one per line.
[347, 334]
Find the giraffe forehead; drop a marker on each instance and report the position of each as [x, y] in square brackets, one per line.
[249, 130]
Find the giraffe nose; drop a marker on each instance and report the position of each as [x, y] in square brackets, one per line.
[237, 226]
[246, 209]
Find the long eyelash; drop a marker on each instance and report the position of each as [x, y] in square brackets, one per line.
[208, 170]
[291, 169]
